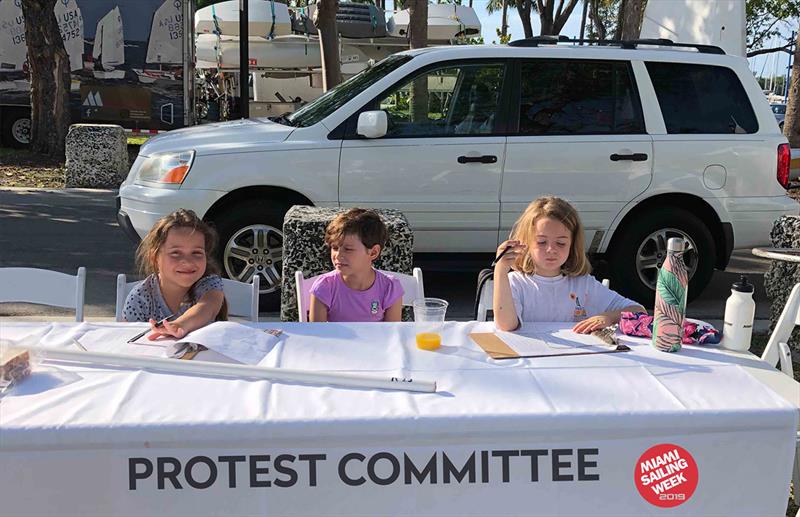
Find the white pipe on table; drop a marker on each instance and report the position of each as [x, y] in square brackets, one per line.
[348, 380]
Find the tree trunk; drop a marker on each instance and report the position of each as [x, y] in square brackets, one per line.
[48, 63]
[632, 19]
[545, 16]
[417, 23]
[325, 22]
[583, 20]
[791, 124]
[524, 11]
[597, 20]
[504, 22]
[620, 17]
[553, 22]
[418, 38]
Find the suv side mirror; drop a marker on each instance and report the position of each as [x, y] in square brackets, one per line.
[372, 124]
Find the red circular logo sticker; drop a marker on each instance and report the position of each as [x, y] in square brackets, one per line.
[666, 475]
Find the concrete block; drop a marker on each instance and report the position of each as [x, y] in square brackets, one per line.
[97, 156]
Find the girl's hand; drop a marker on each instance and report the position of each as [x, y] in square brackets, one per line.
[165, 329]
[595, 322]
[511, 250]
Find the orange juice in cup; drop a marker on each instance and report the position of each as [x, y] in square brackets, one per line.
[428, 340]
[428, 322]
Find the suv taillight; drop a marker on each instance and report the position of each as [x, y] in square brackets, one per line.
[784, 159]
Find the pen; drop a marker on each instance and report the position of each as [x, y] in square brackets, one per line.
[157, 324]
[497, 259]
[620, 348]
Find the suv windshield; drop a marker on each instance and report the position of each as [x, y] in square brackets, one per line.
[337, 97]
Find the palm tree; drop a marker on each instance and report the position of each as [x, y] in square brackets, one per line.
[524, 9]
[325, 22]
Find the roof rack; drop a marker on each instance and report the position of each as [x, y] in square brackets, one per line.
[626, 44]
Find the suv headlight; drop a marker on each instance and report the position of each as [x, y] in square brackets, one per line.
[170, 168]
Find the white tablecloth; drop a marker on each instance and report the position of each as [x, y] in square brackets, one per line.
[77, 439]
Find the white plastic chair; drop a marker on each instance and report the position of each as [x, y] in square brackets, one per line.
[413, 289]
[486, 297]
[777, 353]
[242, 298]
[32, 285]
[777, 350]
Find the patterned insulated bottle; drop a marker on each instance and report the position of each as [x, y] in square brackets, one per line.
[670, 308]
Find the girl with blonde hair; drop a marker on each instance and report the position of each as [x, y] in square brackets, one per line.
[182, 290]
[550, 280]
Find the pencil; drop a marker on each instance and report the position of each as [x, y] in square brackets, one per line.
[157, 324]
[494, 262]
[139, 335]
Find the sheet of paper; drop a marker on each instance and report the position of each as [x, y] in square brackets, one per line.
[550, 339]
[239, 342]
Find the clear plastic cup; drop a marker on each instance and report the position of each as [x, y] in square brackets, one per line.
[428, 321]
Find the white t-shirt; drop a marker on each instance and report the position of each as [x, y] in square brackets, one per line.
[562, 298]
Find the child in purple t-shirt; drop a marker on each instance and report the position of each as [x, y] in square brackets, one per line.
[354, 290]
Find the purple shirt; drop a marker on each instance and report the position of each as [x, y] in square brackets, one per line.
[346, 304]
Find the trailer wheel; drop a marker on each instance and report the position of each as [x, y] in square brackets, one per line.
[16, 129]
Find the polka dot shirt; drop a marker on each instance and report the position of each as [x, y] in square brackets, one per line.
[145, 301]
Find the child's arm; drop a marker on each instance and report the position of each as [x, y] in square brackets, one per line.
[604, 319]
[505, 314]
[198, 315]
[395, 312]
[318, 311]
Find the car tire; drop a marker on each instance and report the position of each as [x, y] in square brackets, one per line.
[16, 128]
[251, 242]
[639, 248]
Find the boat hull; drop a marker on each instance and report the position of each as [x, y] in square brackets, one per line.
[259, 16]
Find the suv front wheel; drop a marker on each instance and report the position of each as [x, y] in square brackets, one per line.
[251, 243]
[640, 248]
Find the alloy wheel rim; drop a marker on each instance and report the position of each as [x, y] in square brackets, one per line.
[652, 252]
[255, 250]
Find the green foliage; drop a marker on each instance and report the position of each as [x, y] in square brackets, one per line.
[497, 5]
[777, 83]
[767, 18]
[205, 3]
[503, 39]
[470, 41]
[603, 18]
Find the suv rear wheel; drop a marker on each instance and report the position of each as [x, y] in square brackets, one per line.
[640, 249]
[251, 243]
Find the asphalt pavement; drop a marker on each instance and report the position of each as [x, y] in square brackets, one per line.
[64, 229]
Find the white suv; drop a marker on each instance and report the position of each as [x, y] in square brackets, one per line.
[647, 143]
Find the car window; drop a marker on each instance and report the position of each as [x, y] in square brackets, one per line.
[573, 97]
[337, 97]
[458, 100]
[701, 99]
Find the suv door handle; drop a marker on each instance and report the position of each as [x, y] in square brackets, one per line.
[486, 158]
[635, 157]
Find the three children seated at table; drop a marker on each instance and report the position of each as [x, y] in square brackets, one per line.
[550, 280]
